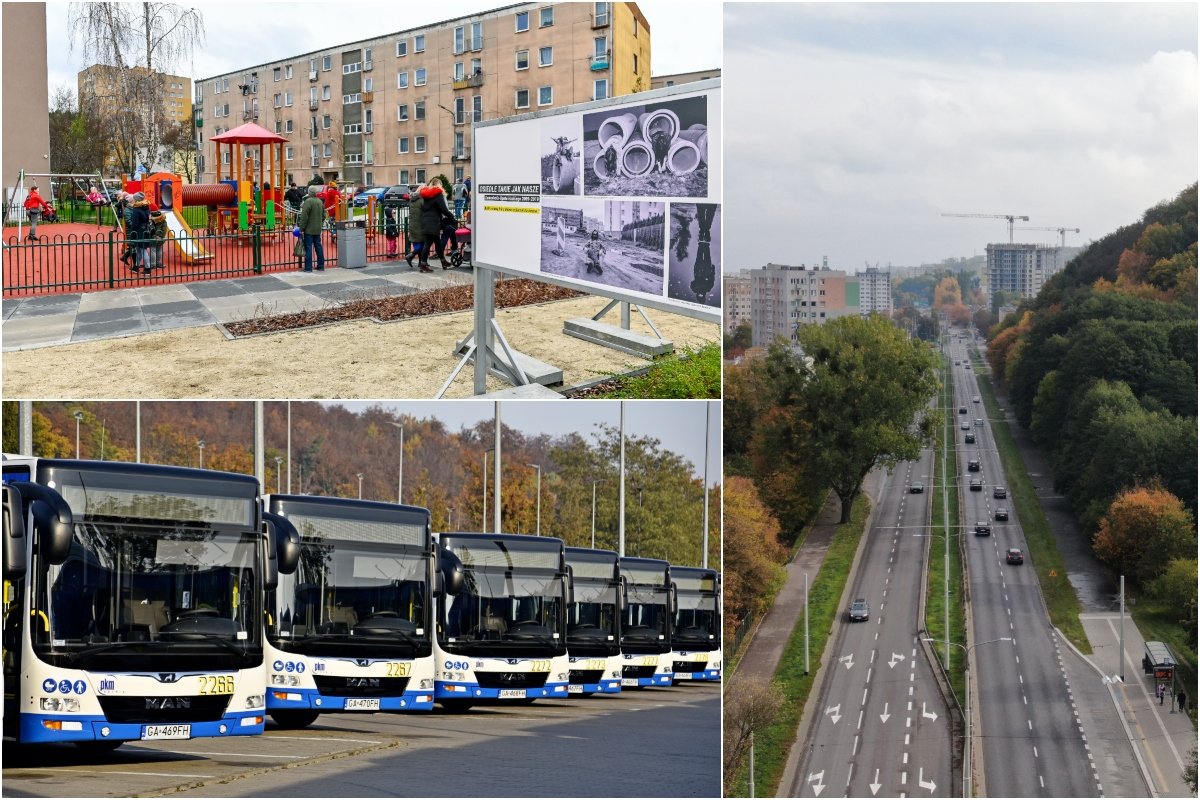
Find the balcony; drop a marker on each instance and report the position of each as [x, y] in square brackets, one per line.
[600, 61]
[368, 97]
[469, 82]
[462, 155]
[312, 105]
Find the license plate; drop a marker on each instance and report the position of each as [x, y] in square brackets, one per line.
[575, 689]
[362, 704]
[629, 681]
[167, 732]
[512, 694]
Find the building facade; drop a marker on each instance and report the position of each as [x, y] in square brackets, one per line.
[398, 108]
[662, 81]
[735, 298]
[26, 103]
[783, 297]
[102, 85]
[874, 291]
[1020, 269]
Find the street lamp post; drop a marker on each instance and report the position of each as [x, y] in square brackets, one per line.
[538, 467]
[967, 679]
[483, 525]
[449, 519]
[359, 475]
[78, 419]
[400, 472]
[278, 475]
[200, 446]
[602, 480]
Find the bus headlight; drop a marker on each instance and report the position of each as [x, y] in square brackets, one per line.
[426, 683]
[562, 676]
[255, 701]
[60, 704]
[284, 680]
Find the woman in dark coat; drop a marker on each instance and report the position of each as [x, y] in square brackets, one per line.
[416, 237]
[138, 232]
[434, 212]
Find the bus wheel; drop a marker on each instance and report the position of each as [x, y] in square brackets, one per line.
[456, 706]
[294, 717]
[98, 745]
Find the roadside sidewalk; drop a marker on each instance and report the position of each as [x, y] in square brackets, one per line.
[1162, 736]
[46, 320]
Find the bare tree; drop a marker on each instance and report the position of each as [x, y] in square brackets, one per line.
[135, 40]
[751, 705]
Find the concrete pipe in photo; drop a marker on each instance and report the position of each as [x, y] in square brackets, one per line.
[563, 176]
[698, 135]
[664, 120]
[610, 154]
[637, 159]
[683, 158]
[619, 127]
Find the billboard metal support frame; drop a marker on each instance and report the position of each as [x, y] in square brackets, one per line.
[625, 316]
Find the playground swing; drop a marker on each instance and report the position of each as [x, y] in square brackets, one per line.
[14, 206]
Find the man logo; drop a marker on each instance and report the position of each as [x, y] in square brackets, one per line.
[167, 677]
[165, 703]
[364, 683]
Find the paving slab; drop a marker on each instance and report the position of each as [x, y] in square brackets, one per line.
[38, 331]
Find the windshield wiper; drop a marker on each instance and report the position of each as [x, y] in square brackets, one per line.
[102, 648]
[212, 637]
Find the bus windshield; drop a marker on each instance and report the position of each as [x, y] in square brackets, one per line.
[353, 593]
[646, 615]
[131, 588]
[697, 622]
[594, 613]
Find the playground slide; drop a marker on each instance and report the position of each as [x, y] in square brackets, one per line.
[189, 247]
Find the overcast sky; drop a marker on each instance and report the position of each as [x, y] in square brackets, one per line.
[677, 424]
[850, 128]
[684, 36]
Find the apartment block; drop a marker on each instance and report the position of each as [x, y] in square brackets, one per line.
[1020, 269]
[399, 108]
[874, 291]
[677, 78]
[783, 297]
[26, 101]
[735, 298]
[100, 82]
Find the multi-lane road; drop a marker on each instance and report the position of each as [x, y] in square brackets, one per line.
[662, 742]
[883, 729]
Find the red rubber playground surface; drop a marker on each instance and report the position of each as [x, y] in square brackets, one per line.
[79, 257]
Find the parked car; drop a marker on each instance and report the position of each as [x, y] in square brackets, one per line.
[969, 438]
[916, 488]
[1001, 515]
[983, 529]
[859, 610]
[360, 199]
[1014, 556]
[1000, 492]
[398, 195]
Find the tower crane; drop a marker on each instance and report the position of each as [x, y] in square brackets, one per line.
[1061, 232]
[1010, 217]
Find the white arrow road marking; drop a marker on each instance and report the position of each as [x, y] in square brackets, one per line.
[875, 786]
[816, 781]
[847, 660]
[928, 714]
[835, 713]
[885, 716]
[896, 659]
[920, 781]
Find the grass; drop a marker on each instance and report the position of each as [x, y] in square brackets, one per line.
[935, 605]
[1043, 554]
[825, 595]
[1157, 621]
[690, 374]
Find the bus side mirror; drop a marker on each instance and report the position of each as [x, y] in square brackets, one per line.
[286, 542]
[623, 595]
[14, 535]
[673, 605]
[270, 559]
[52, 520]
[452, 572]
[569, 585]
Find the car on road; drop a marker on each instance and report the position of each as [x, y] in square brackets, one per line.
[966, 366]
[957, 362]
[916, 488]
[859, 610]
[983, 529]
[1001, 514]
[978, 422]
[969, 438]
[1000, 492]
[973, 465]
[966, 426]
[1014, 556]
[975, 399]
[962, 409]
[976, 484]
[360, 199]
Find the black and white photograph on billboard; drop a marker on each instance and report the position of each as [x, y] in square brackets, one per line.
[561, 153]
[615, 243]
[694, 253]
[653, 150]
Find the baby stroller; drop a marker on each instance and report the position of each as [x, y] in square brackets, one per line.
[462, 253]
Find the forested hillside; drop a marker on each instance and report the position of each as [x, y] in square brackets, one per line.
[442, 468]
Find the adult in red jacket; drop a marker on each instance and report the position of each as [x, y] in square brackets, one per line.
[34, 206]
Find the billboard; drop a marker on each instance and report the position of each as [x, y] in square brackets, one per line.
[618, 197]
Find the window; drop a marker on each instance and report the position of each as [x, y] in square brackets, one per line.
[287, 98]
[403, 177]
[419, 76]
[600, 89]
[326, 63]
[477, 108]
[289, 152]
[279, 126]
[460, 110]
[545, 95]
[287, 71]
[522, 100]
[522, 59]
[277, 73]
[476, 66]
[635, 63]
[312, 65]
[402, 145]
[402, 80]
[352, 128]
[401, 48]
[348, 69]
[419, 43]
[420, 175]
[328, 150]
[225, 87]
[368, 84]
[326, 121]
[460, 71]
[476, 37]
[635, 27]
[546, 17]
[367, 122]
[367, 58]
[225, 157]
[312, 95]
[287, 126]
[354, 158]
[370, 175]
[326, 93]
[315, 155]
[459, 144]
[420, 144]
[458, 174]
[347, 99]
[600, 45]
[522, 21]
[545, 56]
[460, 36]
[278, 100]
[402, 112]
[419, 109]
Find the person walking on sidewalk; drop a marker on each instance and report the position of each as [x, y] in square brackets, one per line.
[311, 222]
[1182, 699]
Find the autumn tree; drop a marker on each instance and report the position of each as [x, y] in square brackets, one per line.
[751, 706]
[754, 557]
[1144, 529]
